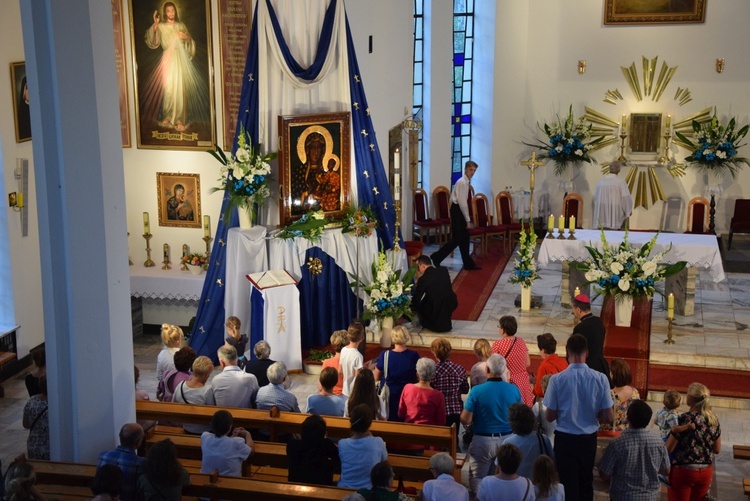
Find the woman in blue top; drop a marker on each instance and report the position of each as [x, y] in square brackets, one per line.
[402, 369]
[361, 452]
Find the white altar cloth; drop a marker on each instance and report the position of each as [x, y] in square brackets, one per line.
[699, 251]
[155, 283]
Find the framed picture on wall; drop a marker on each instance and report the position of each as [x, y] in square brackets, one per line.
[174, 94]
[21, 114]
[313, 164]
[654, 11]
[179, 199]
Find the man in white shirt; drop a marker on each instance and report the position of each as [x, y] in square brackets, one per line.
[233, 387]
[612, 201]
[444, 486]
[460, 221]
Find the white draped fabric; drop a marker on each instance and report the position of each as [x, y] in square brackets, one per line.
[612, 202]
[700, 251]
[282, 93]
[281, 324]
[246, 253]
[155, 283]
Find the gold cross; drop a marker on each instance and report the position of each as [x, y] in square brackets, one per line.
[532, 164]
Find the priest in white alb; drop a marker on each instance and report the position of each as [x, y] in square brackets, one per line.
[612, 201]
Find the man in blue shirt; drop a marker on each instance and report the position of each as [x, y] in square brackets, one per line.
[576, 398]
[125, 458]
[487, 408]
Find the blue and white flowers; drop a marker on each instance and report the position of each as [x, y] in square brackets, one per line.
[389, 295]
[624, 270]
[525, 268]
[309, 226]
[717, 146]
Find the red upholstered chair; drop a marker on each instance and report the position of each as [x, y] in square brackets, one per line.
[504, 211]
[483, 220]
[413, 250]
[573, 206]
[442, 202]
[423, 224]
[697, 216]
[476, 235]
[740, 222]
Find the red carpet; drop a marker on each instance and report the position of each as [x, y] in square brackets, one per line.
[473, 288]
[721, 382]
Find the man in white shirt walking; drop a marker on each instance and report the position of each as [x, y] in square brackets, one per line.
[460, 221]
[612, 201]
[233, 387]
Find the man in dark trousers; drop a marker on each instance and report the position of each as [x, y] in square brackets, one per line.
[433, 298]
[460, 221]
[592, 328]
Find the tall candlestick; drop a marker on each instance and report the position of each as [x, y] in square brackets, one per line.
[572, 224]
[206, 226]
[670, 306]
[397, 175]
[146, 226]
[624, 123]
[561, 223]
[551, 223]
[184, 257]
[166, 251]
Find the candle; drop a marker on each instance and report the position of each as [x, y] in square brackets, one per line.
[561, 223]
[669, 121]
[576, 292]
[551, 223]
[624, 123]
[572, 224]
[184, 250]
[670, 306]
[166, 252]
[397, 175]
[206, 226]
[146, 227]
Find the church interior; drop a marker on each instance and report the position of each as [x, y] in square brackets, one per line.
[90, 178]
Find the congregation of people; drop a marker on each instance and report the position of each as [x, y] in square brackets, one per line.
[529, 436]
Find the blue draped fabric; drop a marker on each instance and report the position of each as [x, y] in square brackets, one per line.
[327, 303]
[372, 189]
[257, 319]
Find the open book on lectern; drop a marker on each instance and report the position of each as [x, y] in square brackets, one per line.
[271, 278]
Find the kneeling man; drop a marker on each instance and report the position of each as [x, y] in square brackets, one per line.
[433, 298]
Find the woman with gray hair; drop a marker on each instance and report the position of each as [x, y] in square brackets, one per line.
[259, 365]
[420, 403]
[397, 366]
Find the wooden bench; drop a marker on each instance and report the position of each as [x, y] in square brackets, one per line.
[746, 486]
[741, 451]
[71, 477]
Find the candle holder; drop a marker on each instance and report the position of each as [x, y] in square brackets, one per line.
[623, 136]
[571, 234]
[166, 264]
[397, 224]
[669, 339]
[667, 139]
[208, 239]
[149, 263]
[560, 234]
[184, 255]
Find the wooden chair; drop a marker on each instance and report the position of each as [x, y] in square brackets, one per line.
[483, 220]
[422, 222]
[476, 235]
[740, 222]
[504, 211]
[573, 206]
[441, 196]
[697, 216]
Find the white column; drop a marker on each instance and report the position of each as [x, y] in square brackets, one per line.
[81, 208]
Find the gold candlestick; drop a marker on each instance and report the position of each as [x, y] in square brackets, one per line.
[669, 339]
[667, 139]
[149, 263]
[623, 136]
[166, 262]
[397, 224]
[185, 252]
[572, 234]
[208, 239]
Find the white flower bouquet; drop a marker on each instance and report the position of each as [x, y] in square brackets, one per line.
[624, 270]
[389, 293]
[525, 267]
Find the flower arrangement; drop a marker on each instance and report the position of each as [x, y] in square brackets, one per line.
[309, 226]
[568, 141]
[717, 146]
[624, 270]
[195, 260]
[244, 175]
[388, 293]
[360, 220]
[525, 268]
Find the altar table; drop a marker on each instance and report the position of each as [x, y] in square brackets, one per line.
[699, 251]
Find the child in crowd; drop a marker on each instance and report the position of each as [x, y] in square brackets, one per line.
[547, 486]
[667, 417]
[139, 394]
[351, 359]
[171, 337]
[338, 341]
[237, 340]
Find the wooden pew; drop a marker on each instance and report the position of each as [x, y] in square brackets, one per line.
[80, 476]
[741, 451]
[746, 486]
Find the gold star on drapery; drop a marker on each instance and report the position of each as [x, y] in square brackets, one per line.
[208, 300]
[356, 78]
[217, 263]
[356, 106]
[222, 242]
[218, 281]
[375, 189]
[367, 174]
[250, 77]
[385, 205]
[368, 111]
[364, 133]
[372, 147]
[202, 329]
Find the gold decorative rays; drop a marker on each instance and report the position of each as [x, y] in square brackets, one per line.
[602, 126]
[641, 182]
[651, 89]
[685, 126]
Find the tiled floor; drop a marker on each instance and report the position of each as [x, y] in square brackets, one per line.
[715, 336]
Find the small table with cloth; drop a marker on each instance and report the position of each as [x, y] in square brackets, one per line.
[612, 202]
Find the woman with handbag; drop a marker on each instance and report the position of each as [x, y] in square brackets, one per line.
[365, 392]
[36, 420]
[398, 368]
[516, 354]
[195, 391]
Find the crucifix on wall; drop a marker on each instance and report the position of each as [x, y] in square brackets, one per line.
[532, 164]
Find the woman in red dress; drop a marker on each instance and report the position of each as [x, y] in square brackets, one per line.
[516, 354]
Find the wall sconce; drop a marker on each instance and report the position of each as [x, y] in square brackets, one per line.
[720, 65]
[581, 66]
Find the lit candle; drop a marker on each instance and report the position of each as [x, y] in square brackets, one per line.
[397, 175]
[572, 224]
[146, 226]
[670, 306]
[184, 250]
[551, 223]
[561, 223]
[166, 252]
[576, 292]
[206, 226]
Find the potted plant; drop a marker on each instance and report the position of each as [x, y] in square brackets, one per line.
[196, 263]
[525, 267]
[313, 363]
